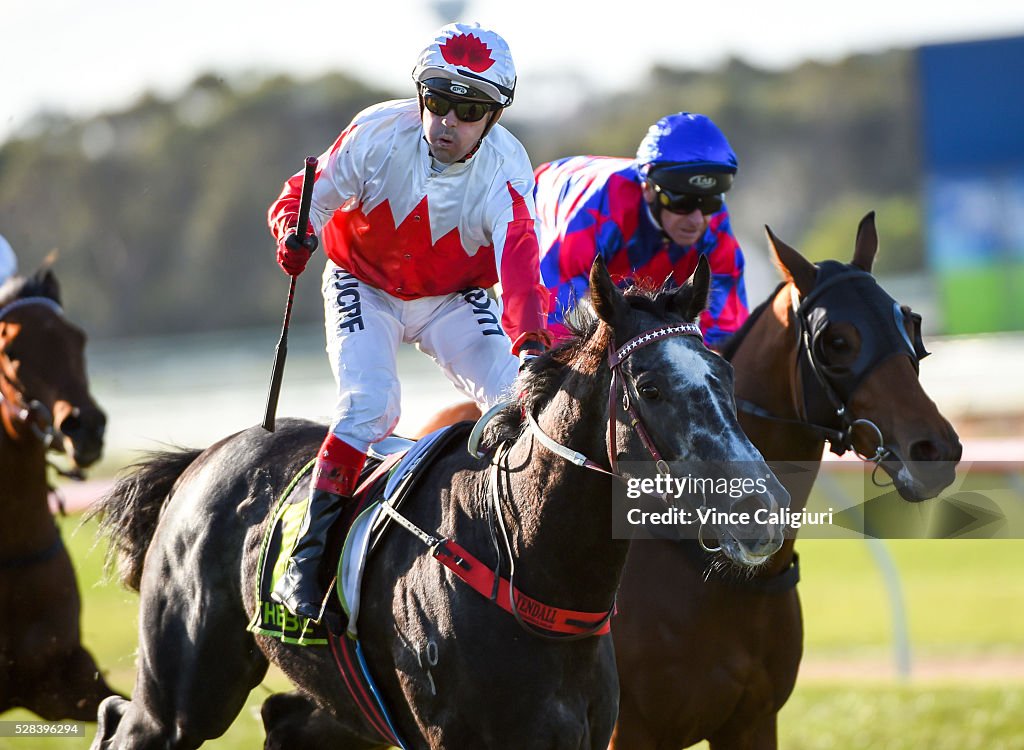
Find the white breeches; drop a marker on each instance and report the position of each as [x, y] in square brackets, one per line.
[461, 332]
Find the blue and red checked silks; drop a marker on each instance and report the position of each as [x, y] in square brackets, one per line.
[590, 205]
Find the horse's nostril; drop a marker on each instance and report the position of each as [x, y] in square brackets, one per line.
[83, 424]
[753, 503]
[758, 527]
[925, 450]
[71, 424]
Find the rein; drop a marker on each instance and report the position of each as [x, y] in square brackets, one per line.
[16, 405]
[20, 411]
[583, 623]
[615, 358]
[536, 618]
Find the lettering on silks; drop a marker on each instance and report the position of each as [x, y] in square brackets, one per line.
[348, 300]
[276, 614]
[485, 317]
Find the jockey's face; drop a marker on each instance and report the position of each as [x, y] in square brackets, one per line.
[682, 229]
[449, 138]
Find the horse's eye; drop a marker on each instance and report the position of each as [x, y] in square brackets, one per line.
[838, 344]
[649, 391]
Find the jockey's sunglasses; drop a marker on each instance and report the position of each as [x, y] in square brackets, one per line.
[467, 111]
[685, 203]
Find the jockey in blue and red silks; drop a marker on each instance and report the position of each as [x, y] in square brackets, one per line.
[420, 205]
[649, 218]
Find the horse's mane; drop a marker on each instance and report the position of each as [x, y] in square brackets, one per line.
[583, 352]
[732, 344]
[41, 284]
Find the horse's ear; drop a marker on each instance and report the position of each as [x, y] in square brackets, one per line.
[867, 243]
[50, 260]
[791, 263]
[46, 281]
[606, 298]
[693, 298]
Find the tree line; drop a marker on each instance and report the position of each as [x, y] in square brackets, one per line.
[158, 209]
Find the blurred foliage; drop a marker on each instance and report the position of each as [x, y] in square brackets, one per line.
[901, 243]
[159, 209]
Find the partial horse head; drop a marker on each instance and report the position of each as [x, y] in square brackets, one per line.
[44, 390]
[671, 402]
[858, 357]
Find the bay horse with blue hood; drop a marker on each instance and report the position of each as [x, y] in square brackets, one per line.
[828, 358]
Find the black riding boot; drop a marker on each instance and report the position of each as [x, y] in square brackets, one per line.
[299, 589]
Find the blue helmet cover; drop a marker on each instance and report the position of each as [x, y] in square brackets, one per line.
[687, 139]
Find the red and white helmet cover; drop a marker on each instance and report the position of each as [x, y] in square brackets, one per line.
[474, 60]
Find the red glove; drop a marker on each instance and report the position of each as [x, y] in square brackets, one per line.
[531, 344]
[293, 255]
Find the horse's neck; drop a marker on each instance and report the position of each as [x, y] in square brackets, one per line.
[766, 374]
[561, 514]
[27, 523]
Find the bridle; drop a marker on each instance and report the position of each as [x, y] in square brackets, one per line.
[824, 409]
[22, 414]
[615, 359]
[20, 411]
[499, 488]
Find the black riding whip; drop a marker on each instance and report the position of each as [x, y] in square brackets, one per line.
[308, 178]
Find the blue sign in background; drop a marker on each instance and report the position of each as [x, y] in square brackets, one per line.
[972, 123]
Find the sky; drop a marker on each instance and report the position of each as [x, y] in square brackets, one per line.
[83, 58]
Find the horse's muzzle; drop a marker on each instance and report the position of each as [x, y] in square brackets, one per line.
[83, 430]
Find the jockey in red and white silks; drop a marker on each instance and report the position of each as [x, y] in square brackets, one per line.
[410, 243]
[419, 205]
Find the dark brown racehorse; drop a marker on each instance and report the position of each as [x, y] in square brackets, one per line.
[45, 405]
[718, 658]
[455, 670]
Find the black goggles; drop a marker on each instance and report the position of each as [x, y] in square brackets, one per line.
[685, 203]
[465, 110]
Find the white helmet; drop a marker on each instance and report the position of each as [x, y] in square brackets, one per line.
[8, 260]
[471, 61]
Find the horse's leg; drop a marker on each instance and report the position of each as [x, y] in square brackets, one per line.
[72, 688]
[631, 731]
[108, 717]
[292, 721]
[194, 673]
[197, 662]
[758, 734]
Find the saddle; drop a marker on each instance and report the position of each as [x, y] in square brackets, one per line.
[393, 467]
